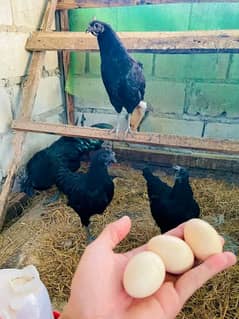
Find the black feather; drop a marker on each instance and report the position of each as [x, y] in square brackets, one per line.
[66, 151]
[122, 76]
[171, 206]
[89, 193]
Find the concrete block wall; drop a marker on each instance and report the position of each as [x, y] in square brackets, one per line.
[17, 19]
[193, 95]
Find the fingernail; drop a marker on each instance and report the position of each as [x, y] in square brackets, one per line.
[124, 217]
[230, 257]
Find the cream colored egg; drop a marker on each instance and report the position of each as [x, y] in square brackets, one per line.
[202, 238]
[175, 253]
[143, 275]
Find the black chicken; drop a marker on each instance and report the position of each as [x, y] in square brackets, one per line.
[171, 206]
[40, 170]
[122, 76]
[88, 193]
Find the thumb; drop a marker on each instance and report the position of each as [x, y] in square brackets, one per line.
[114, 233]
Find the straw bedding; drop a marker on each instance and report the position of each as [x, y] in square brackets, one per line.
[53, 239]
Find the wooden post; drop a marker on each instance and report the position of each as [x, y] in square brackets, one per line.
[66, 61]
[27, 101]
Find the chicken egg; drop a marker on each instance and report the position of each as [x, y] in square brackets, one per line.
[144, 274]
[177, 256]
[202, 238]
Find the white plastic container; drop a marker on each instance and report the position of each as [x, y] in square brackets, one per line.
[23, 295]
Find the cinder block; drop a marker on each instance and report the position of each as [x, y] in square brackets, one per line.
[56, 117]
[14, 57]
[172, 126]
[90, 92]
[171, 65]
[94, 59]
[28, 13]
[193, 66]
[15, 99]
[48, 96]
[234, 68]
[5, 12]
[77, 63]
[165, 96]
[35, 142]
[5, 111]
[145, 59]
[208, 66]
[6, 153]
[222, 131]
[51, 60]
[93, 118]
[214, 99]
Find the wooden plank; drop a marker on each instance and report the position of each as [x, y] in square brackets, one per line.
[154, 139]
[201, 160]
[28, 97]
[70, 108]
[71, 4]
[161, 42]
[17, 202]
[66, 62]
[31, 84]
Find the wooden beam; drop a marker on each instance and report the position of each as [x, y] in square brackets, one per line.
[162, 42]
[200, 160]
[66, 62]
[16, 204]
[71, 4]
[154, 139]
[27, 101]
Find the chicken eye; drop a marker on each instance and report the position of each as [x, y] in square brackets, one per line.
[97, 25]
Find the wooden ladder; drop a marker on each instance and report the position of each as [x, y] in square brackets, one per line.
[161, 42]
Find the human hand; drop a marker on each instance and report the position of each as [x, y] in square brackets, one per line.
[97, 291]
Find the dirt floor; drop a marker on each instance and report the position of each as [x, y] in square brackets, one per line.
[52, 238]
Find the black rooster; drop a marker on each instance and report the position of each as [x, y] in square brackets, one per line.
[40, 170]
[88, 193]
[171, 206]
[122, 76]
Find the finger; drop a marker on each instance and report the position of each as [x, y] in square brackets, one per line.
[196, 277]
[178, 231]
[135, 251]
[114, 232]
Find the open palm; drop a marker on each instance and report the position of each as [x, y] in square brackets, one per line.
[97, 290]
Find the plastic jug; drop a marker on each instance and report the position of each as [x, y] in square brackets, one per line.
[23, 295]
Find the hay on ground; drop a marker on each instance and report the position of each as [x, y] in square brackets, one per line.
[52, 238]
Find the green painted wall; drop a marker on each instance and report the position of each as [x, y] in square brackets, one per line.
[201, 88]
